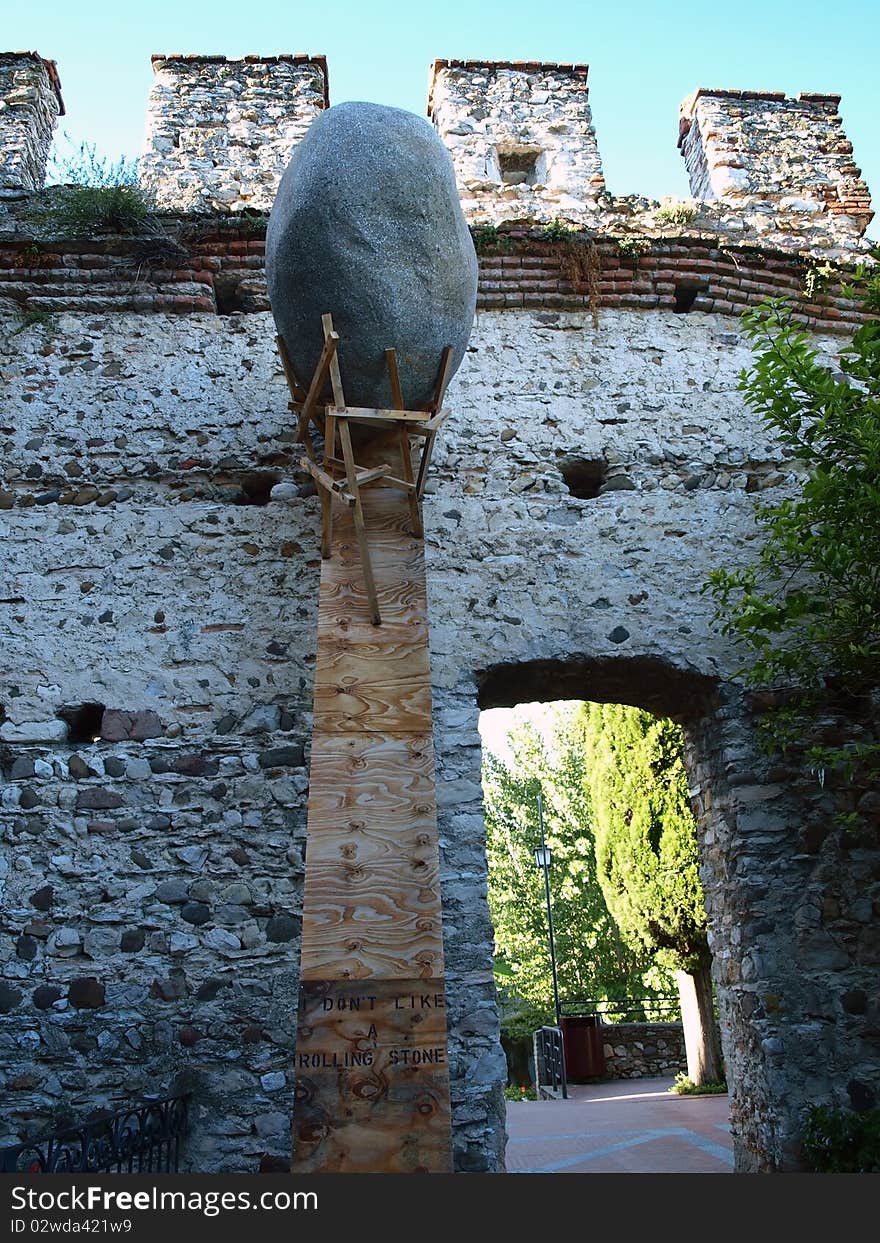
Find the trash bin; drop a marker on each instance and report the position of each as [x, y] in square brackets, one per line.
[584, 1050]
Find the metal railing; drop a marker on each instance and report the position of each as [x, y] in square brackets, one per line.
[143, 1139]
[550, 1081]
[660, 1009]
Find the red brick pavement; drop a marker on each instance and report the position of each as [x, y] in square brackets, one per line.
[625, 1127]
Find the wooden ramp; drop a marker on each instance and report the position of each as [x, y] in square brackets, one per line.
[372, 1088]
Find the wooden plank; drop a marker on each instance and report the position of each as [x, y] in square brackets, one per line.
[297, 392]
[309, 408]
[372, 1087]
[381, 686]
[371, 902]
[326, 506]
[379, 787]
[372, 1081]
[327, 482]
[415, 513]
[431, 427]
[443, 377]
[382, 691]
[394, 379]
[363, 922]
[371, 414]
[335, 377]
[344, 592]
[345, 601]
[360, 528]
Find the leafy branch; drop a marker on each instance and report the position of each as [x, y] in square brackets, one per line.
[806, 613]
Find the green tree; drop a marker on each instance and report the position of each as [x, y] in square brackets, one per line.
[592, 959]
[646, 855]
[806, 613]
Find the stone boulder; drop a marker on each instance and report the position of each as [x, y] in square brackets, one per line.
[367, 225]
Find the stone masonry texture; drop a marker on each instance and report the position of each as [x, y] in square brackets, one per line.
[219, 132]
[643, 1050]
[157, 627]
[30, 104]
[738, 144]
[513, 127]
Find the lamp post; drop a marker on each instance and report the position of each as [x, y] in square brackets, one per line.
[543, 859]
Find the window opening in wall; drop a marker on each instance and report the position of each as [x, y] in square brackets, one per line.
[583, 476]
[519, 166]
[685, 296]
[83, 721]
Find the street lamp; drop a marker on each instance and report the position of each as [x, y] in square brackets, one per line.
[543, 859]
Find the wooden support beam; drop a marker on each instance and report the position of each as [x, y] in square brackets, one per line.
[394, 379]
[335, 376]
[334, 486]
[367, 414]
[359, 525]
[443, 376]
[327, 512]
[372, 1087]
[297, 392]
[431, 427]
[310, 404]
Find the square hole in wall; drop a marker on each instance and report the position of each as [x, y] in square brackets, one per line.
[686, 294]
[83, 721]
[518, 166]
[583, 476]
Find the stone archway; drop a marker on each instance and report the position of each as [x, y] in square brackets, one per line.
[651, 685]
[784, 981]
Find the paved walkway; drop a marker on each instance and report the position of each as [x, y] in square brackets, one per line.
[625, 1127]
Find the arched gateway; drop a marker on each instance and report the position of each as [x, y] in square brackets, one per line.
[162, 573]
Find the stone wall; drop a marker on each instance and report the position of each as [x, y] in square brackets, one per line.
[519, 133]
[30, 104]
[643, 1050]
[157, 621]
[220, 132]
[759, 144]
[218, 266]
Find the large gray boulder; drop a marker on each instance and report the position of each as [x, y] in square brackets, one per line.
[367, 225]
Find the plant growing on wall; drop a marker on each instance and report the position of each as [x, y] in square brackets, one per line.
[92, 194]
[488, 239]
[633, 247]
[675, 213]
[806, 612]
[841, 1141]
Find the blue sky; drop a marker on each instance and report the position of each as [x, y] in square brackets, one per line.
[644, 58]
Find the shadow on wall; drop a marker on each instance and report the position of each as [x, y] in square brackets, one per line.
[642, 681]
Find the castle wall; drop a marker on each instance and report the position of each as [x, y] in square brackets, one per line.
[30, 104]
[158, 619]
[154, 874]
[519, 133]
[219, 132]
[759, 144]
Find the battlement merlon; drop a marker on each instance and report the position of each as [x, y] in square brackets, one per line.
[219, 131]
[30, 104]
[749, 146]
[518, 130]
